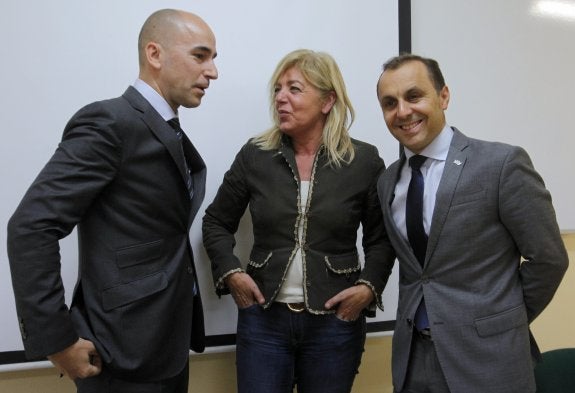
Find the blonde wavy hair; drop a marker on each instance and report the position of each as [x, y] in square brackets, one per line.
[322, 72]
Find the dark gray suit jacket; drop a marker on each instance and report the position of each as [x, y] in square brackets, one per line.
[118, 175]
[491, 210]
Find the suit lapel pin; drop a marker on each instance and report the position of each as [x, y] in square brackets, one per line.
[457, 162]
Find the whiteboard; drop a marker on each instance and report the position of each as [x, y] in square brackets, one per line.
[509, 67]
[59, 56]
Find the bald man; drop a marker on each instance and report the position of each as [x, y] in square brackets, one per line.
[132, 183]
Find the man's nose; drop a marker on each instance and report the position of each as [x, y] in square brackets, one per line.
[212, 71]
[403, 109]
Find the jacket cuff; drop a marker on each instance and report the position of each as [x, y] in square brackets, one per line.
[376, 296]
[41, 341]
[221, 287]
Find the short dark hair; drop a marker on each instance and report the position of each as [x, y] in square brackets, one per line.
[432, 66]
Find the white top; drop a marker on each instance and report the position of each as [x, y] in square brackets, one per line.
[292, 289]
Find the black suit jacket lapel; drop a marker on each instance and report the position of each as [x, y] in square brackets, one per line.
[198, 171]
[159, 127]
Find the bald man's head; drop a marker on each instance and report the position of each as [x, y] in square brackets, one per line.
[176, 50]
[157, 28]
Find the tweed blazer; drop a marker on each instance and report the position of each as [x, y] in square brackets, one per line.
[340, 199]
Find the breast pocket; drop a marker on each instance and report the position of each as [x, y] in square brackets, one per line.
[140, 260]
[463, 197]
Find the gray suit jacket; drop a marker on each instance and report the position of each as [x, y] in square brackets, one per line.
[118, 175]
[491, 210]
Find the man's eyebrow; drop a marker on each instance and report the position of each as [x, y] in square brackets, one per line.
[205, 49]
[413, 89]
[387, 98]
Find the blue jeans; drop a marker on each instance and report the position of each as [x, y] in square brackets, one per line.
[277, 349]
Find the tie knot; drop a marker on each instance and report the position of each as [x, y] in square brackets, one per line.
[175, 123]
[415, 162]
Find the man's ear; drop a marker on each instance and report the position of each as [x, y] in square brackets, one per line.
[153, 54]
[444, 97]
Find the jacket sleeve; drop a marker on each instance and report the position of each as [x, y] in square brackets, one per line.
[379, 254]
[222, 218]
[84, 162]
[527, 212]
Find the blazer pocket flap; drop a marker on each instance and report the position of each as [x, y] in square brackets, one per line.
[259, 258]
[461, 197]
[343, 264]
[141, 253]
[501, 322]
[124, 294]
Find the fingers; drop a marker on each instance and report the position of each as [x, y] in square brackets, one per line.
[80, 360]
[341, 297]
[96, 361]
[242, 301]
[258, 296]
[350, 302]
[244, 290]
[333, 301]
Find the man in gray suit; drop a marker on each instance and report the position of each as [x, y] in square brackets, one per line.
[132, 183]
[478, 245]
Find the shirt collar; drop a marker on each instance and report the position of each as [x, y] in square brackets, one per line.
[158, 102]
[438, 148]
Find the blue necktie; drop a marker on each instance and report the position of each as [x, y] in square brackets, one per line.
[175, 124]
[415, 230]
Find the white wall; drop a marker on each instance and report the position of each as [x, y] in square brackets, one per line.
[59, 56]
[509, 67]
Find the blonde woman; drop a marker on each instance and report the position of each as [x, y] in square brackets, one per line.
[304, 295]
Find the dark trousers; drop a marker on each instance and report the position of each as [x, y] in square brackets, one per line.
[106, 383]
[424, 374]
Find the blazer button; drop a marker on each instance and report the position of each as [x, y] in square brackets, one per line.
[409, 322]
[190, 269]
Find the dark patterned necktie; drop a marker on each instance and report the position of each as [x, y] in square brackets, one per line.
[175, 124]
[414, 223]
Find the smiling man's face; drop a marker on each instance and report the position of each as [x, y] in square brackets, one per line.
[412, 108]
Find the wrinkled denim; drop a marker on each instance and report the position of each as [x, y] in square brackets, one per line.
[277, 349]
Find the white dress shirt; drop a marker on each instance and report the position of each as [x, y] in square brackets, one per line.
[158, 102]
[432, 170]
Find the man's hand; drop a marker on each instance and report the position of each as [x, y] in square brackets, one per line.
[79, 360]
[244, 289]
[350, 302]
